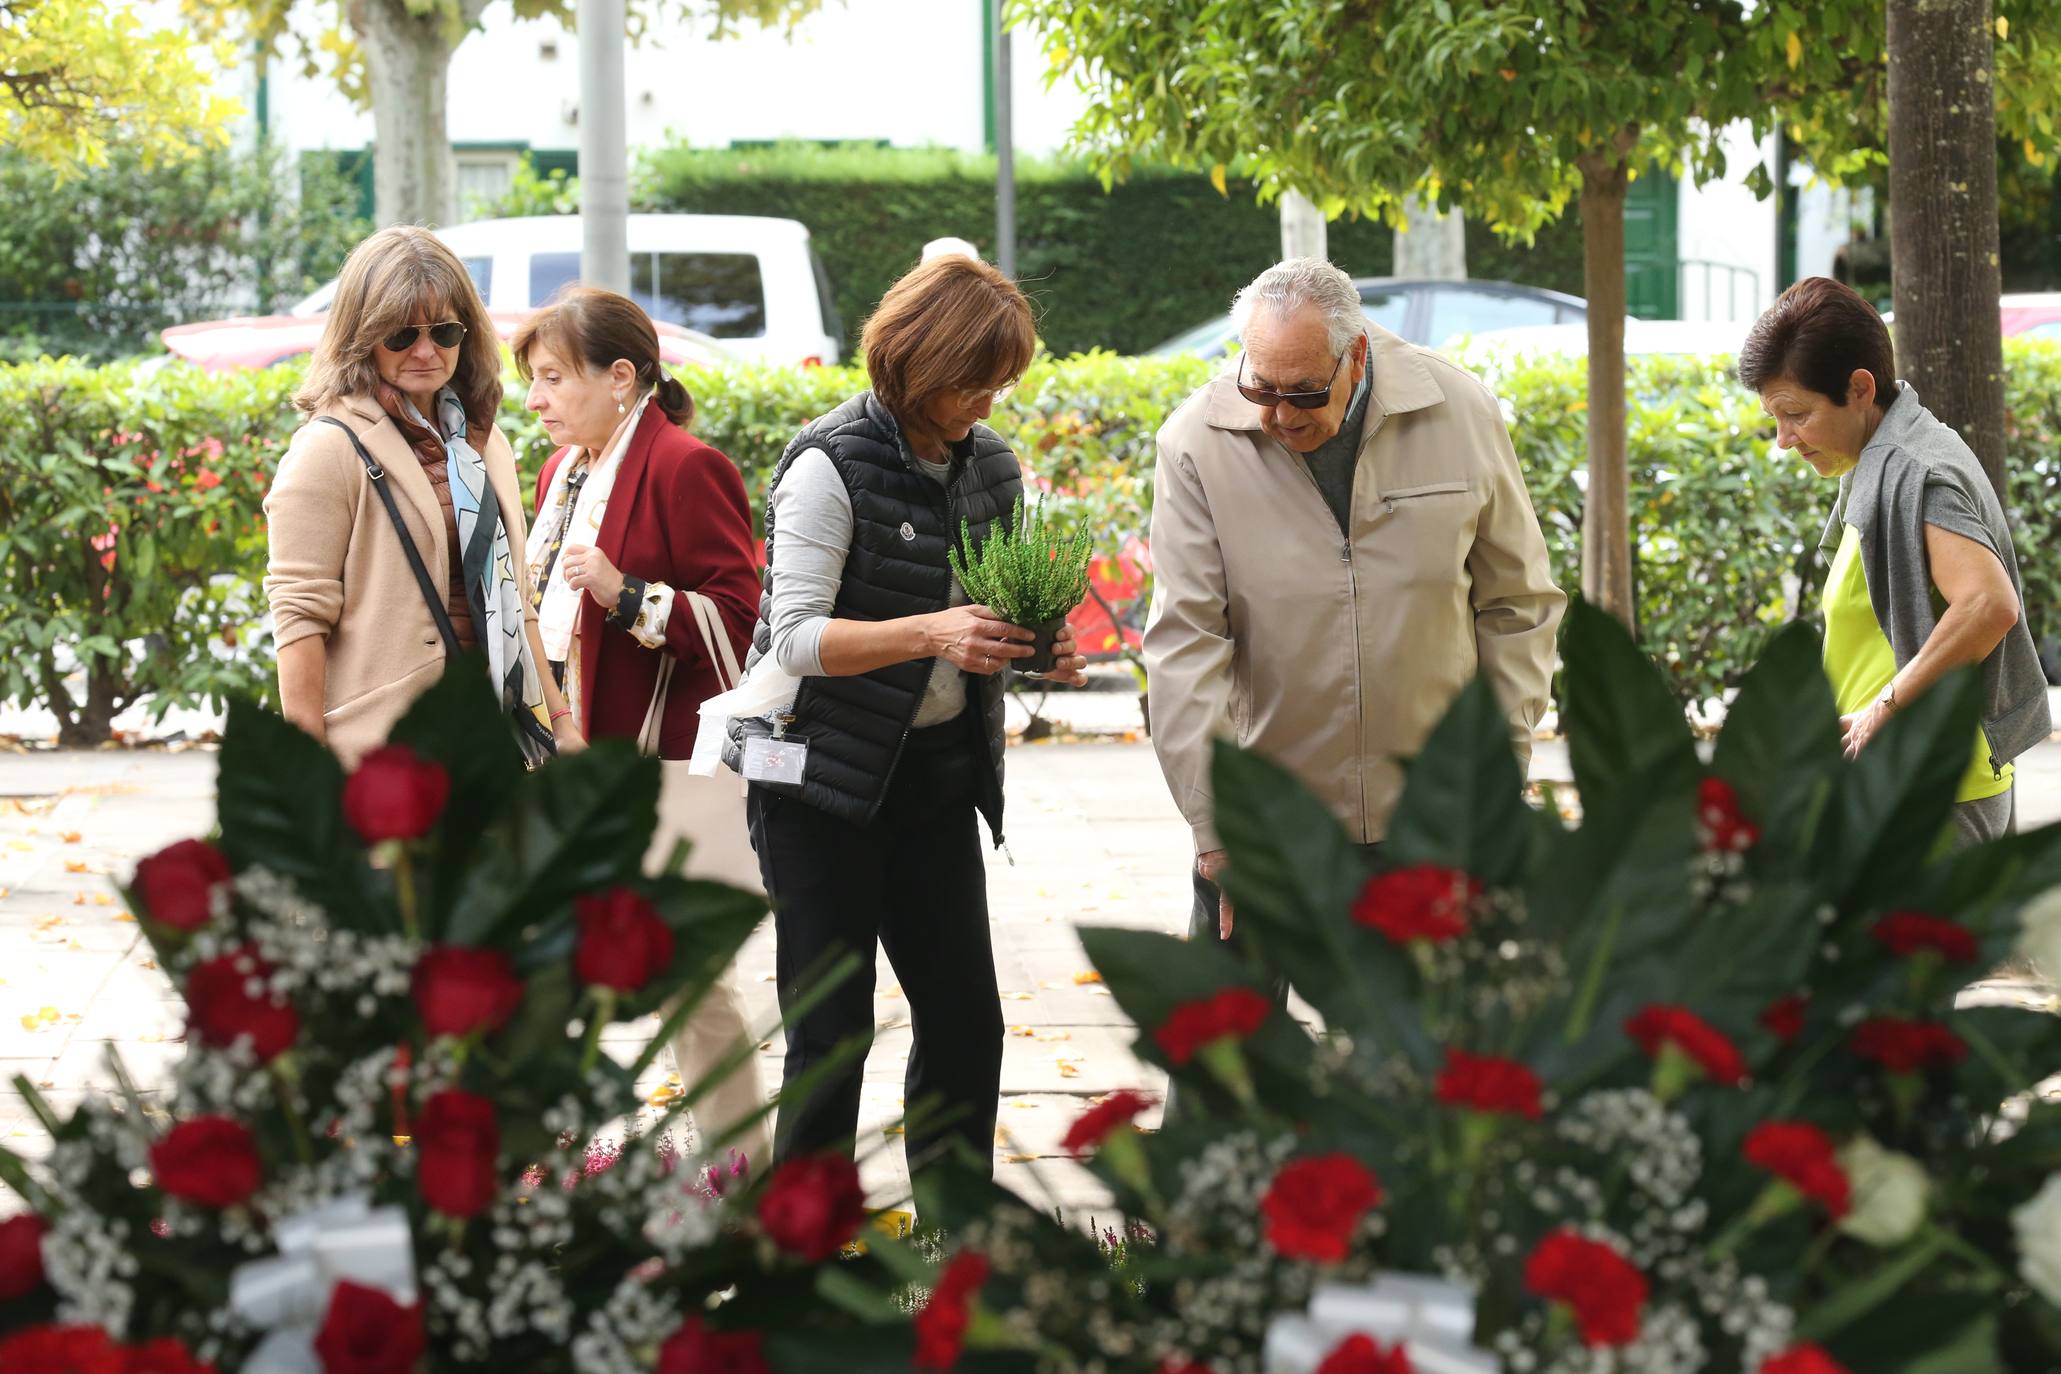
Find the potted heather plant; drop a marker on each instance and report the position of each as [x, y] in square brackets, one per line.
[1028, 573]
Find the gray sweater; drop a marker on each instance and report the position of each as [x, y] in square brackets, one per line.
[1885, 498]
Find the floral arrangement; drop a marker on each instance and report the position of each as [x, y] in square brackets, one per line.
[395, 1142]
[1692, 1085]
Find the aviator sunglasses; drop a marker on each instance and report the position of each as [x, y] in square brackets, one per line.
[1301, 400]
[445, 335]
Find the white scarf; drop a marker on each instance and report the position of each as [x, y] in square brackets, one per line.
[558, 615]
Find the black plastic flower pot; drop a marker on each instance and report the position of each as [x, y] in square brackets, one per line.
[1043, 659]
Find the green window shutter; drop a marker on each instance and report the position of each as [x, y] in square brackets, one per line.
[1652, 254]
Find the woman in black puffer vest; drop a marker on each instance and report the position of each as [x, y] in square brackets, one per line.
[900, 707]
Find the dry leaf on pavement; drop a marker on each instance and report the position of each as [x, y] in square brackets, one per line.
[1086, 976]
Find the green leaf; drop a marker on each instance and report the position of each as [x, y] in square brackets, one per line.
[1894, 802]
[1463, 799]
[1625, 731]
[1780, 745]
[280, 805]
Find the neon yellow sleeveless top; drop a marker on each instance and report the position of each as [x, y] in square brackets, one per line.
[1860, 662]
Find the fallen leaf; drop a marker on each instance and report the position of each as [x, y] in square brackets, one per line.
[1018, 1159]
[69, 836]
[1023, 1106]
[895, 991]
[1068, 1069]
[47, 1014]
[1047, 1037]
[1085, 977]
[47, 1084]
[124, 918]
[1100, 992]
[78, 899]
[1019, 997]
[766, 977]
[1023, 1030]
[102, 899]
[75, 866]
[146, 963]
[892, 1130]
[28, 1023]
[46, 922]
[152, 1037]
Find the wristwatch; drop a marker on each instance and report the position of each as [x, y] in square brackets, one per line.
[1888, 697]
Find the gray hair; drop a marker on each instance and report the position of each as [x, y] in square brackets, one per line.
[1289, 286]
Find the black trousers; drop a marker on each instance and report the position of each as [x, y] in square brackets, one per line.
[1203, 924]
[914, 881]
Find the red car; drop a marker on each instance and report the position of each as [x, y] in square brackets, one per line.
[262, 340]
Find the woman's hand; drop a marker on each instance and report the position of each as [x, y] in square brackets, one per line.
[1857, 729]
[588, 569]
[568, 736]
[1072, 669]
[976, 639]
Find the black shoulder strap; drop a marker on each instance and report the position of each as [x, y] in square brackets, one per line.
[377, 474]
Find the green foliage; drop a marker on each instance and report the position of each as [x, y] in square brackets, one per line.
[95, 267]
[79, 77]
[1725, 531]
[1093, 258]
[530, 192]
[1027, 571]
[132, 542]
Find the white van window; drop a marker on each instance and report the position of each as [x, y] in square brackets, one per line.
[720, 294]
[481, 270]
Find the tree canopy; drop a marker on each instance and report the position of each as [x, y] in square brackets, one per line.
[76, 76]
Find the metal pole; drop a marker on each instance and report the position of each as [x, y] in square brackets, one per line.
[1005, 152]
[604, 151]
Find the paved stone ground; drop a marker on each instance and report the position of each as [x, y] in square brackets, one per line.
[1093, 836]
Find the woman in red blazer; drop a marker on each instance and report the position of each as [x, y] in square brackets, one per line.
[634, 515]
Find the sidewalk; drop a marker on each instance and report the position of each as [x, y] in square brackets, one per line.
[1093, 839]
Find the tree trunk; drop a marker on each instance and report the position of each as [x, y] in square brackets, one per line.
[407, 63]
[1434, 247]
[1606, 521]
[1304, 233]
[1943, 217]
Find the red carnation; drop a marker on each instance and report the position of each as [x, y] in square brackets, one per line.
[1904, 1046]
[177, 884]
[1908, 934]
[457, 1141]
[813, 1206]
[1421, 902]
[60, 1350]
[1801, 1155]
[1802, 1359]
[367, 1332]
[1098, 1121]
[1693, 1036]
[21, 1255]
[1234, 1013]
[1359, 1354]
[1783, 1017]
[220, 1006]
[623, 942]
[165, 1355]
[395, 795]
[1484, 1083]
[1606, 1294]
[1179, 1364]
[459, 991]
[1724, 824]
[942, 1321]
[210, 1160]
[695, 1349]
[1314, 1205]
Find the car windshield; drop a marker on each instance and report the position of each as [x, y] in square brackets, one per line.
[1209, 339]
[719, 294]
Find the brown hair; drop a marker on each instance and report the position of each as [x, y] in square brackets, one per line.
[953, 324]
[591, 328]
[385, 281]
[1819, 333]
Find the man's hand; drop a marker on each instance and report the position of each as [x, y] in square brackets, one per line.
[1211, 865]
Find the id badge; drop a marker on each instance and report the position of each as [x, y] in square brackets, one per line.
[775, 760]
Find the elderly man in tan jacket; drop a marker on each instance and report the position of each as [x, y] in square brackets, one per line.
[1341, 539]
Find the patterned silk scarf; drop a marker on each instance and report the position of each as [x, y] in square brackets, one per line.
[491, 587]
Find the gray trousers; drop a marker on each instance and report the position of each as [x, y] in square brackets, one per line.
[1979, 822]
[1204, 925]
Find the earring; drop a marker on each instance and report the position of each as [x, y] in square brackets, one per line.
[621, 409]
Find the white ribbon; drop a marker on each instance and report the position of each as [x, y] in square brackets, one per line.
[288, 1293]
[1432, 1319]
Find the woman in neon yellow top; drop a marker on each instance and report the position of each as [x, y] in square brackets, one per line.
[1924, 579]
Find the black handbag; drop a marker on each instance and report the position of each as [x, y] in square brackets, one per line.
[377, 475]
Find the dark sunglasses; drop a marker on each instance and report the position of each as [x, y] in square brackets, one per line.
[1301, 400]
[445, 335]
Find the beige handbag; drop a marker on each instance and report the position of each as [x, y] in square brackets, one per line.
[708, 812]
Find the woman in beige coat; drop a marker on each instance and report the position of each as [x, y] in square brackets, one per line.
[402, 395]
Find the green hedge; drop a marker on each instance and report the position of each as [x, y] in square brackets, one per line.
[1120, 269]
[131, 542]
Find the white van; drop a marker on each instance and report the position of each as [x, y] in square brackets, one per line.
[753, 283]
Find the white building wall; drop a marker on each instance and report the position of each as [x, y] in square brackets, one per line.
[517, 81]
[1726, 239]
